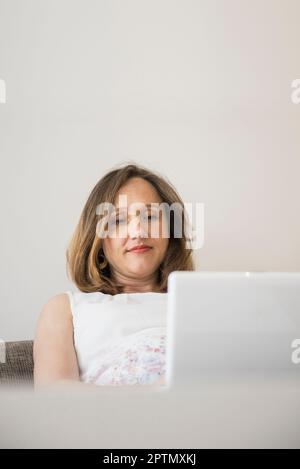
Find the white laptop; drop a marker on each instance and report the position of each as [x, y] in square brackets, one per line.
[225, 323]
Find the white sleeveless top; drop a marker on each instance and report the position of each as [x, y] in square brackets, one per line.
[119, 339]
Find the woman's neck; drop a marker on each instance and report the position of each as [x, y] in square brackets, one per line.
[133, 285]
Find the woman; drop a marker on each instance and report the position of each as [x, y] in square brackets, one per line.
[112, 331]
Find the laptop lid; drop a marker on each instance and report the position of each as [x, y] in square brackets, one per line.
[231, 322]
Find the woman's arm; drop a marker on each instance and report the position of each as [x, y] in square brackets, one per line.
[54, 355]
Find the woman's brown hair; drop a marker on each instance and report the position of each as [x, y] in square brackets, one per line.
[86, 263]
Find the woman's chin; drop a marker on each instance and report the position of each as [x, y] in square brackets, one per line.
[140, 270]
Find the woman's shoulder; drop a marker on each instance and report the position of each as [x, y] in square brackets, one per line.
[56, 310]
[62, 306]
[56, 302]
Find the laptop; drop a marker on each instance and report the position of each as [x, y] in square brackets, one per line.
[227, 323]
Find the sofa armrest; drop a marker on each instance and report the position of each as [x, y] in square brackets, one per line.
[17, 365]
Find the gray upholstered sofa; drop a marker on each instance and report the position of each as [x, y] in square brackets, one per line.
[17, 368]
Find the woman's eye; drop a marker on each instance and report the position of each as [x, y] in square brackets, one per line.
[150, 217]
[123, 220]
[120, 220]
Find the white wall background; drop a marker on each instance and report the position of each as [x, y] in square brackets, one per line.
[199, 90]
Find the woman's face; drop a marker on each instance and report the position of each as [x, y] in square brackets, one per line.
[134, 228]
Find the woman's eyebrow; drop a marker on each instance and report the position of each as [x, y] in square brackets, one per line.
[152, 205]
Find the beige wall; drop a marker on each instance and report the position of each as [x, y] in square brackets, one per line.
[198, 90]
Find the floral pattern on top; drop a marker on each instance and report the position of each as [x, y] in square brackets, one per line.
[138, 359]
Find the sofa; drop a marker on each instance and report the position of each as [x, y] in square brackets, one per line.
[17, 367]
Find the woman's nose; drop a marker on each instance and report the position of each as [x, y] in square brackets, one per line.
[137, 228]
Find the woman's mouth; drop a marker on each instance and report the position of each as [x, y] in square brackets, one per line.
[140, 250]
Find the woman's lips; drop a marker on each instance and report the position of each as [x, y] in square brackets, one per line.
[140, 250]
